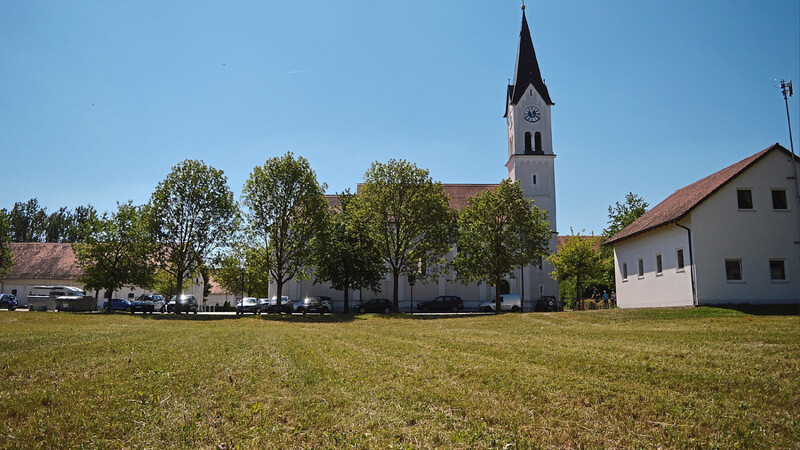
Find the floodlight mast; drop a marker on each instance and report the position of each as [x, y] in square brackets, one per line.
[787, 91]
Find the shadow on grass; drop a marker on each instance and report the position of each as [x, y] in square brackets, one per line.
[764, 310]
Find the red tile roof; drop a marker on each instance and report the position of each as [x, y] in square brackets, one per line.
[684, 200]
[458, 193]
[44, 261]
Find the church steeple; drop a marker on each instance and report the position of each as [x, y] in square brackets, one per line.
[526, 71]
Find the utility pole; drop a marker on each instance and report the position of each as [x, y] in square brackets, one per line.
[787, 91]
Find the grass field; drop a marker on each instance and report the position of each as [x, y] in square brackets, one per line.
[700, 377]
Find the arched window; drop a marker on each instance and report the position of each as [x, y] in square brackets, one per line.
[538, 142]
[527, 142]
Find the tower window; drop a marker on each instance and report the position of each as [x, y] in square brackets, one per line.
[527, 142]
[537, 138]
[534, 179]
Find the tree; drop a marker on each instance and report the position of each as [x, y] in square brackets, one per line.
[498, 231]
[409, 217]
[579, 258]
[58, 225]
[117, 253]
[28, 221]
[622, 215]
[6, 260]
[191, 214]
[347, 255]
[84, 219]
[242, 271]
[286, 210]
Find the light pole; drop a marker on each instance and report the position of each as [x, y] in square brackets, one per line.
[787, 91]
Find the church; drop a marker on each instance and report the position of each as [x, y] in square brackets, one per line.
[530, 161]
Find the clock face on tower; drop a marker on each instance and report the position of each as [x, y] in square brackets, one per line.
[531, 114]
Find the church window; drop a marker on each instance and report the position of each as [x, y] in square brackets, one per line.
[527, 142]
[537, 138]
[745, 198]
[534, 179]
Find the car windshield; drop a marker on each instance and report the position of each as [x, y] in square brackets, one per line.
[249, 300]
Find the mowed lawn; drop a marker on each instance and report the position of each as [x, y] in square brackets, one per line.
[702, 377]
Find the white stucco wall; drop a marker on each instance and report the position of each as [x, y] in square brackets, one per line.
[672, 287]
[721, 231]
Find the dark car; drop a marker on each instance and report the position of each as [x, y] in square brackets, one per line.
[442, 303]
[315, 305]
[272, 306]
[187, 304]
[8, 301]
[376, 305]
[548, 303]
[131, 306]
[158, 301]
[248, 305]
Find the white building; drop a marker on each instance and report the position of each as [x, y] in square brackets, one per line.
[732, 237]
[530, 160]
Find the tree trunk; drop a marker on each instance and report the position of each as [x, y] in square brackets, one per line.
[395, 299]
[109, 294]
[347, 297]
[178, 292]
[578, 295]
[496, 295]
[279, 296]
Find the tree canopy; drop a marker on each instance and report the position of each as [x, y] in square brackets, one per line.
[242, 271]
[191, 214]
[5, 250]
[409, 216]
[347, 256]
[579, 258]
[286, 209]
[500, 230]
[620, 215]
[117, 253]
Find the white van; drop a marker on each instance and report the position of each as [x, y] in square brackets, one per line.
[508, 302]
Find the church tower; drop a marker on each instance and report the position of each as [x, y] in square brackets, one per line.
[530, 151]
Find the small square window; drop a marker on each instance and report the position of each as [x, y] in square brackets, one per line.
[733, 269]
[681, 264]
[777, 270]
[745, 198]
[659, 266]
[624, 271]
[779, 199]
[641, 267]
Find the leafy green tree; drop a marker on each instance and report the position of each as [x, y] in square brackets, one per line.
[58, 225]
[84, 219]
[498, 231]
[6, 260]
[409, 217]
[191, 214]
[620, 215]
[578, 258]
[243, 270]
[347, 255]
[286, 211]
[28, 221]
[118, 252]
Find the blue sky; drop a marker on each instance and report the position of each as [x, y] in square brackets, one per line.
[101, 98]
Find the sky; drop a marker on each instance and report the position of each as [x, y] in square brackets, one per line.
[100, 99]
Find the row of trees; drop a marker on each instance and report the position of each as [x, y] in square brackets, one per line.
[29, 222]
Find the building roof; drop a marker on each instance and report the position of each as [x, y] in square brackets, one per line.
[684, 200]
[458, 193]
[44, 261]
[526, 71]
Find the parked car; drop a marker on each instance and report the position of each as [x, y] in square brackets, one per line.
[272, 306]
[442, 303]
[159, 304]
[315, 305]
[375, 305]
[187, 304]
[248, 305]
[508, 302]
[136, 305]
[548, 303]
[8, 301]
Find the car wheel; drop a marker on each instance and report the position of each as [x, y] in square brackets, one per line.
[454, 308]
[12, 308]
[387, 310]
[129, 309]
[515, 308]
[325, 310]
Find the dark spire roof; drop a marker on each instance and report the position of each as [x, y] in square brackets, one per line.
[527, 71]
